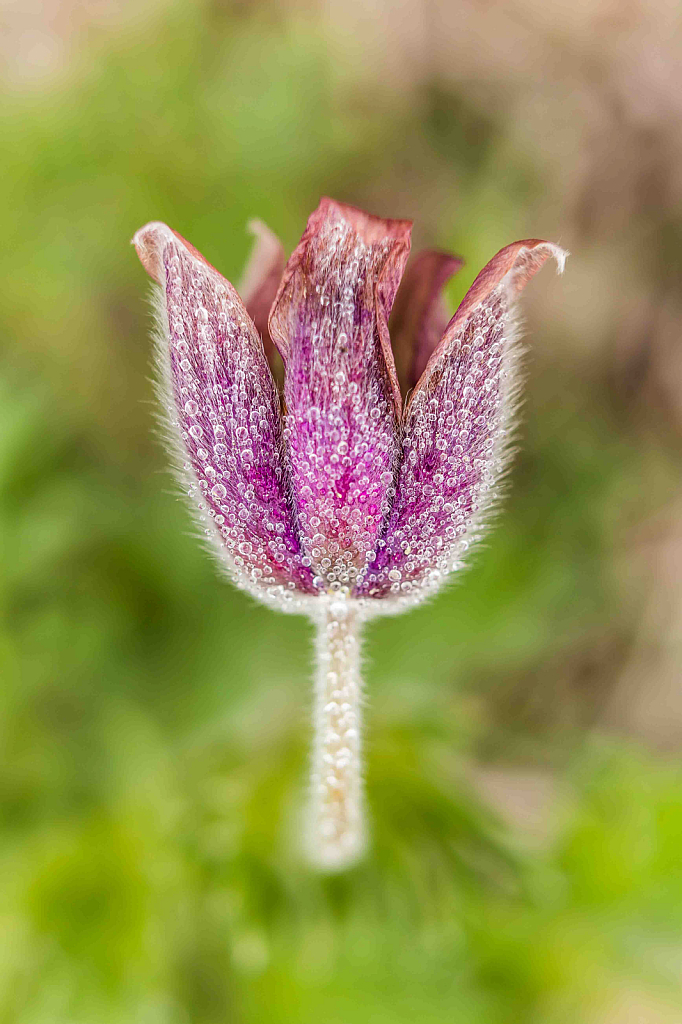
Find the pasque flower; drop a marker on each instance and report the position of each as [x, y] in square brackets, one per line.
[358, 486]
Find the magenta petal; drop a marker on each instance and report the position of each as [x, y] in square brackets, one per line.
[419, 316]
[457, 432]
[223, 417]
[342, 397]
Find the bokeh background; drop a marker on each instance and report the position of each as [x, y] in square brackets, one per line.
[523, 730]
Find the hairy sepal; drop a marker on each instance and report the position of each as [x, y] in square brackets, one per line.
[342, 397]
[221, 417]
[458, 435]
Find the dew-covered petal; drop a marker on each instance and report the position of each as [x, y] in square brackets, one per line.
[222, 416]
[329, 321]
[419, 316]
[457, 432]
[260, 282]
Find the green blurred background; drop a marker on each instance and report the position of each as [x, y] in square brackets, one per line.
[523, 730]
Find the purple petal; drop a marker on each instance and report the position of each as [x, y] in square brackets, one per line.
[457, 432]
[329, 321]
[259, 285]
[223, 417]
[419, 316]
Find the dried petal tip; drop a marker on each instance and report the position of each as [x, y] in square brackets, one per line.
[149, 242]
[510, 270]
[528, 256]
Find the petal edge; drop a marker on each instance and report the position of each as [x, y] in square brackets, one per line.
[511, 269]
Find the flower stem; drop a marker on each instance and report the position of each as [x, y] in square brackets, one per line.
[336, 827]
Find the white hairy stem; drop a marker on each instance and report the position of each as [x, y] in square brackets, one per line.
[336, 820]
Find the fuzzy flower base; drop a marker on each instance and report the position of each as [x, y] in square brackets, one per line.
[334, 495]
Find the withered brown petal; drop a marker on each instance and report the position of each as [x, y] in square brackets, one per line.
[259, 284]
[419, 316]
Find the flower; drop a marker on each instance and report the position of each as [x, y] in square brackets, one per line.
[331, 495]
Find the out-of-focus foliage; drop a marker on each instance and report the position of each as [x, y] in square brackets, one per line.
[526, 861]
